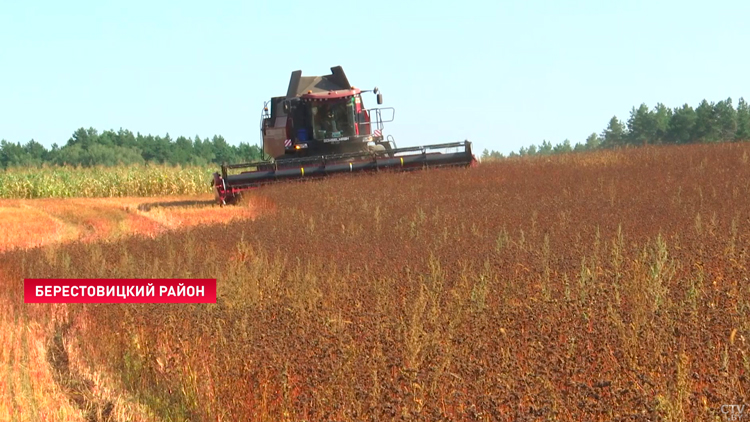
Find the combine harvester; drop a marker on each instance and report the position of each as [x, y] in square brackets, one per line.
[321, 127]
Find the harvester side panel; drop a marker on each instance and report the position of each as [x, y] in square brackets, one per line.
[275, 129]
[294, 83]
[273, 141]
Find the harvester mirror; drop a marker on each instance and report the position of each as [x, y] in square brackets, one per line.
[380, 98]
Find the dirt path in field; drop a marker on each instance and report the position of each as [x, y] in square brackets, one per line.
[44, 378]
[40, 380]
[27, 223]
[78, 389]
[28, 390]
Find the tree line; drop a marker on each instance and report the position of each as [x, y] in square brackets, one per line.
[709, 122]
[88, 147]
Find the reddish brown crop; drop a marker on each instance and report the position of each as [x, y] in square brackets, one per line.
[598, 287]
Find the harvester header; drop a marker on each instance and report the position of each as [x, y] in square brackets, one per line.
[322, 127]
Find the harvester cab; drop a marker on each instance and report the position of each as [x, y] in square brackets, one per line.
[322, 127]
[323, 115]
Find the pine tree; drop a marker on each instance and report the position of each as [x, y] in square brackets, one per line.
[614, 134]
[681, 125]
[593, 142]
[641, 126]
[726, 120]
[661, 115]
[706, 128]
[743, 121]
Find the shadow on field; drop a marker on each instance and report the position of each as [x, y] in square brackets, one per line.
[174, 204]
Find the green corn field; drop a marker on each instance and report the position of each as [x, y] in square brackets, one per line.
[93, 182]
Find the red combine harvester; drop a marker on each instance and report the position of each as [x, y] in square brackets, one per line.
[321, 127]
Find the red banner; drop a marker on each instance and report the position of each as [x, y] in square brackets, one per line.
[135, 290]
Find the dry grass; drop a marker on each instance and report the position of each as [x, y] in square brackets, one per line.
[28, 223]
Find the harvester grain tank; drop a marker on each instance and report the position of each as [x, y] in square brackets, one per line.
[322, 127]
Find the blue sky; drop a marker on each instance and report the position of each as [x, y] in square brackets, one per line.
[500, 74]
